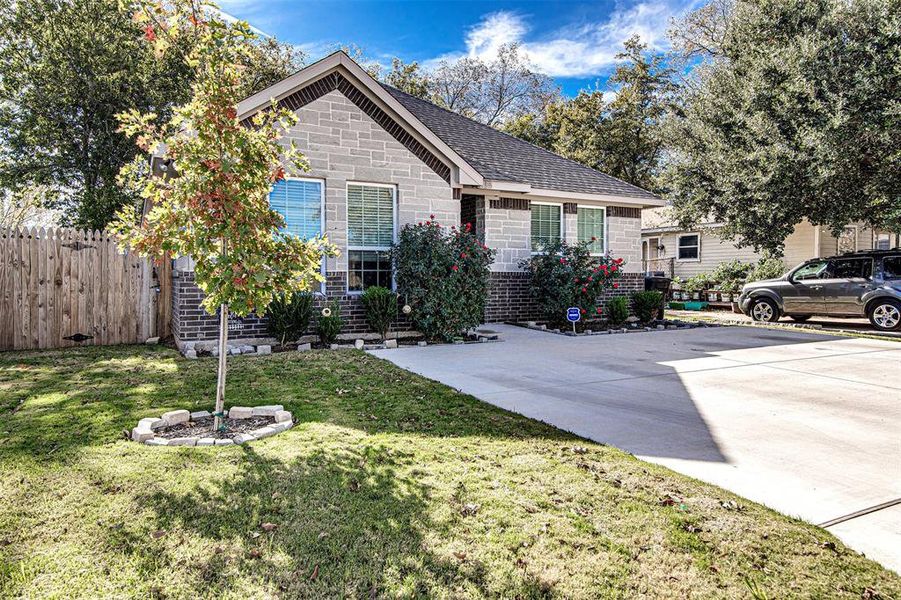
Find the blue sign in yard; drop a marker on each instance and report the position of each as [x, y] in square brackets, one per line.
[573, 314]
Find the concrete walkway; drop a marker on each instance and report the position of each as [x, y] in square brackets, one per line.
[808, 424]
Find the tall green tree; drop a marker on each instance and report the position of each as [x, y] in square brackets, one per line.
[793, 114]
[409, 78]
[621, 136]
[67, 67]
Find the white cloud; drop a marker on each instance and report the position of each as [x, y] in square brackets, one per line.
[495, 30]
[579, 50]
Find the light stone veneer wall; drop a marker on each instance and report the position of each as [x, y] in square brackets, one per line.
[508, 231]
[343, 144]
[624, 241]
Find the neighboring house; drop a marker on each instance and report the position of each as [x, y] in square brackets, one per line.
[381, 159]
[683, 253]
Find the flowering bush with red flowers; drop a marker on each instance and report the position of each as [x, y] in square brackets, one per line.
[567, 275]
[442, 273]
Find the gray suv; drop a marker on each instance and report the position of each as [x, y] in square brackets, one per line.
[859, 284]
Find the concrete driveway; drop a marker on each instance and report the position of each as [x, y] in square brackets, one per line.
[808, 424]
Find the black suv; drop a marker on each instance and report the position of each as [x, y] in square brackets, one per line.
[858, 284]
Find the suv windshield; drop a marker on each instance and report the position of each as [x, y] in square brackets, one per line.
[814, 270]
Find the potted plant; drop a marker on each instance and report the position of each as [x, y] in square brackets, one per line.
[676, 288]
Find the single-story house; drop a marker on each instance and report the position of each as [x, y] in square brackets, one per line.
[380, 159]
[678, 252]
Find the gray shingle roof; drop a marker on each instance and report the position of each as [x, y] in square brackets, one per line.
[497, 155]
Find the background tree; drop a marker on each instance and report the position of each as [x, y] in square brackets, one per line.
[795, 116]
[621, 136]
[67, 67]
[409, 78]
[217, 209]
[492, 92]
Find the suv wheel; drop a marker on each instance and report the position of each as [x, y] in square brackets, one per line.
[885, 314]
[764, 310]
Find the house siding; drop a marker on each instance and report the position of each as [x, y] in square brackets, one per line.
[800, 246]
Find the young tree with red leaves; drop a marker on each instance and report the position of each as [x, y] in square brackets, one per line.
[216, 210]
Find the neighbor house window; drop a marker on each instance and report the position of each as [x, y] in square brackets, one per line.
[883, 241]
[370, 233]
[299, 202]
[689, 247]
[590, 225]
[546, 220]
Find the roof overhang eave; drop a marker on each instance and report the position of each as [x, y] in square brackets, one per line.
[530, 191]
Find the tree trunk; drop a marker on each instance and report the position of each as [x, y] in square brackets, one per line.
[223, 353]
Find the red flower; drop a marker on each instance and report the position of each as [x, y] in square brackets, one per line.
[576, 280]
[618, 261]
[468, 226]
[149, 33]
[594, 239]
[462, 255]
[589, 278]
[428, 222]
[613, 269]
[432, 217]
[599, 310]
[420, 223]
[615, 285]
[562, 261]
[455, 268]
[583, 311]
[584, 290]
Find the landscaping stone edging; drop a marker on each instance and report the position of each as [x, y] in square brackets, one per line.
[146, 430]
[669, 326]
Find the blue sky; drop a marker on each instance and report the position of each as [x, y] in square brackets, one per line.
[573, 42]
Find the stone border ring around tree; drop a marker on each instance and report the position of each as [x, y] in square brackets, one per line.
[183, 428]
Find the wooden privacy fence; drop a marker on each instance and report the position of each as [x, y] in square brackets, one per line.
[66, 287]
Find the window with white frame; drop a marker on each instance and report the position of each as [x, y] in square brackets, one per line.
[546, 221]
[299, 202]
[689, 247]
[590, 223]
[370, 233]
[883, 241]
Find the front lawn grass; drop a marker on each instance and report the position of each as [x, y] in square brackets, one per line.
[390, 485]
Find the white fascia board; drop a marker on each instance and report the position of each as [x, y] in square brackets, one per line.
[601, 198]
[465, 173]
[507, 186]
[525, 190]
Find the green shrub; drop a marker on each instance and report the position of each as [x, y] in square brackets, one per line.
[730, 275]
[381, 308]
[443, 275]
[288, 315]
[768, 267]
[647, 305]
[617, 310]
[330, 324]
[567, 275]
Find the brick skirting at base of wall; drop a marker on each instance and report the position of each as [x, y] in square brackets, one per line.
[509, 298]
[190, 322]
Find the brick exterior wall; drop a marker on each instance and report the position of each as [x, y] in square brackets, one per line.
[509, 298]
[190, 322]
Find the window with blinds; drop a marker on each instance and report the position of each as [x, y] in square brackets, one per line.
[590, 224]
[370, 233]
[370, 216]
[545, 225]
[299, 201]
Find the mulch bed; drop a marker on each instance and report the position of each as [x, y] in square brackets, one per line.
[203, 427]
